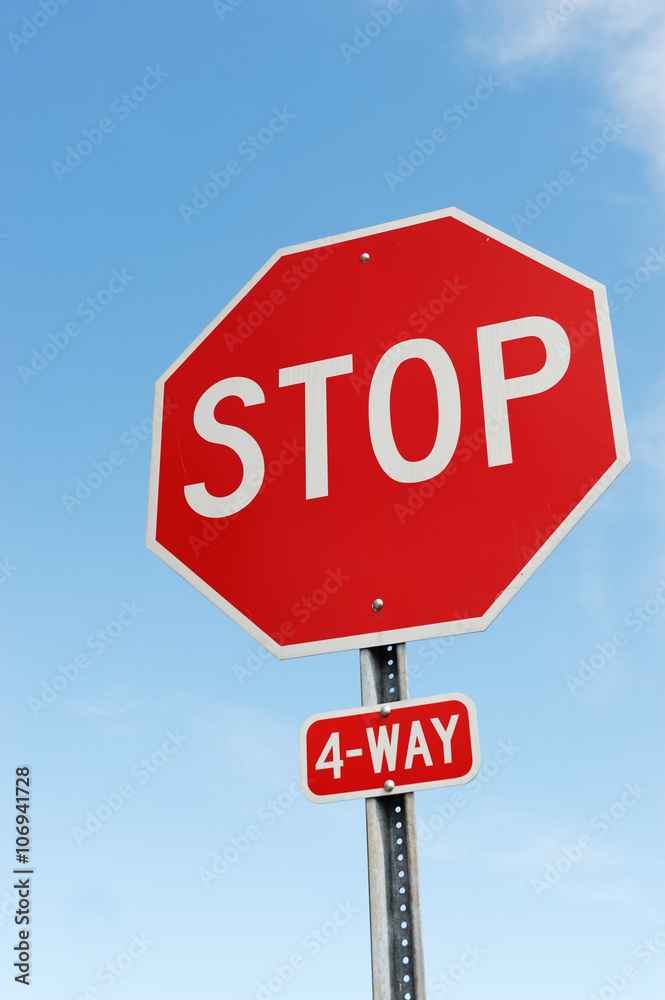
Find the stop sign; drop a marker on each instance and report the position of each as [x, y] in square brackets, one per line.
[384, 434]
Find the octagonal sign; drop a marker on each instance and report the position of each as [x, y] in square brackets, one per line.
[384, 434]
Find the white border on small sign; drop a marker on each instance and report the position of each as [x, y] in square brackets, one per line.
[398, 789]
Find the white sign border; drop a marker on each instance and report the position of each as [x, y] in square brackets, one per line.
[398, 789]
[436, 630]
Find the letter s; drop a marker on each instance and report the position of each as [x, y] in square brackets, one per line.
[644, 956]
[120, 109]
[105, 977]
[244, 445]
[428, 654]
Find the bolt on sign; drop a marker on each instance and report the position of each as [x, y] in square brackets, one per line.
[401, 747]
[384, 434]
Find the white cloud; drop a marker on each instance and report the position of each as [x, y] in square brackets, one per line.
[617, 43]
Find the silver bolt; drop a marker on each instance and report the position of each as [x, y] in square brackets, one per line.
[364, 257]
[388, 786]
[385, 710]
[377, 604]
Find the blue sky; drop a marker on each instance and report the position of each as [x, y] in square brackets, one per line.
[107, 279]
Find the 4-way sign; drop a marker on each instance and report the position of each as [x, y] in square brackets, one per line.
[384, 434]
[401, 747]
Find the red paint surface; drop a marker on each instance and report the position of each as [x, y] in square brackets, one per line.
[434, 552]
[357, 773]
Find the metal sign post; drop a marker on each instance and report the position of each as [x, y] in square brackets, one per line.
[398, 970]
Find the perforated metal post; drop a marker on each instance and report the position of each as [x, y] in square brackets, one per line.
[398, 971]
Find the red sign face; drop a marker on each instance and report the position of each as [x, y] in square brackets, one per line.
[421, 743]
[384, 434]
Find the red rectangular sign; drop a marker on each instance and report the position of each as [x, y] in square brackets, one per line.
[400, 747]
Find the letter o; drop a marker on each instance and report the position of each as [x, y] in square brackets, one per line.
[158, 758]
[313, 265]
[106, 810]
[652, 606]
[495, 768]
[141, 95]
[214, 190]
[598, 145]
[94, 480]
[414, 153]
[597, 661]
[450, 414]
[320, 600]
[108, 297]
[82, 152]
[52, 349]
[234, 855]
[39, 14]
[59, 684]
[375, 25]
[642, 270]
[114, 629]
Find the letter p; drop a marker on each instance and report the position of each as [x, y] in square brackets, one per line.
[497, 389]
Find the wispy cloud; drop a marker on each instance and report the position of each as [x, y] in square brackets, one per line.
[648, 441]
[620, 46]
[238, 739]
